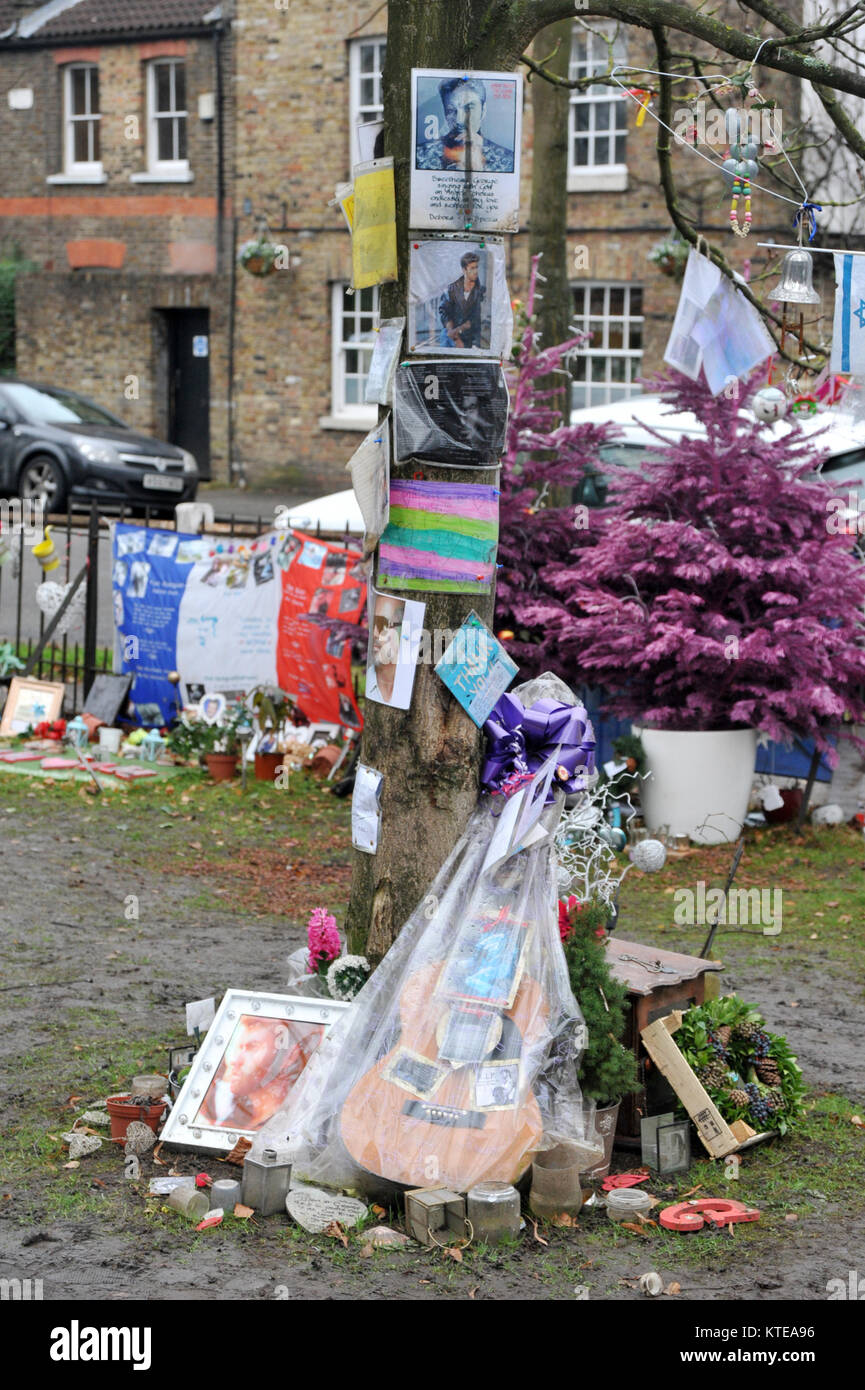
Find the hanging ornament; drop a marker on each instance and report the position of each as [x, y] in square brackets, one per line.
[50, 597]
[739, 168]
[769, 403]
[795, 287]
[741, 189]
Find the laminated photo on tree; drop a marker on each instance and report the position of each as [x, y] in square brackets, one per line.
[458, 298]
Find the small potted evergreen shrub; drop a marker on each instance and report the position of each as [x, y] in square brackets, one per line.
[608, 1070]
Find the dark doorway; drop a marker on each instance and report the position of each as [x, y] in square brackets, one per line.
[186, 345]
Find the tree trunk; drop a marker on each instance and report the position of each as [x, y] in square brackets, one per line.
[430, 754]
[549, 215]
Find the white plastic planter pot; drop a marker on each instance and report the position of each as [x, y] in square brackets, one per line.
[700, 782]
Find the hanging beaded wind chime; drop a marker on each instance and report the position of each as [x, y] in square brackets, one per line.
[739, 168]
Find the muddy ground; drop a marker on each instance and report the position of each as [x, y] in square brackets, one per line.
[91, 994]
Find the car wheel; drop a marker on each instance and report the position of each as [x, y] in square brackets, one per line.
[41, 480]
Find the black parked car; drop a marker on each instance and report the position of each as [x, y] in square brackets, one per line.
[57, 446]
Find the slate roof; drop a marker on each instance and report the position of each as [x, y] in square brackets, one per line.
[104, 18]
[10, 10]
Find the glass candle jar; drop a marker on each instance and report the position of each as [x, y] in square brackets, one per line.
[191, 1202]
[624, 1203]
[493, 1208]
[556, 1186]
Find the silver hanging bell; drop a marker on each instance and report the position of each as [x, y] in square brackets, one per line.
[795, 285]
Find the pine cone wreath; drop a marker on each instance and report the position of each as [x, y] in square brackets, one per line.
[754, 1037]
[768, 1073]
[712, 1076]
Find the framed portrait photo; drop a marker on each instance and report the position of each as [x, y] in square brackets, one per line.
[255, 1051]
[31, 702]
[465, 155]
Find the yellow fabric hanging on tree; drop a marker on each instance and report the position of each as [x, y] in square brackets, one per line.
[373, 242]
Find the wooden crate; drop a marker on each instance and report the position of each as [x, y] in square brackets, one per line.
[719, 1138]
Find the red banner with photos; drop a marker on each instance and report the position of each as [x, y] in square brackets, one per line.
[312, 664]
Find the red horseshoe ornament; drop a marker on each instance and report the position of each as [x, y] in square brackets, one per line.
[692, 1215]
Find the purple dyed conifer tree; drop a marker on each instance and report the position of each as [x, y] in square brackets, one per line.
[536, 538]
[716, 596]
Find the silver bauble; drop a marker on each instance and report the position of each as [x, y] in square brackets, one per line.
[769, 403]
[649, 856]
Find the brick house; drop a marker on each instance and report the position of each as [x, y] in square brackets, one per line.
[145, 140]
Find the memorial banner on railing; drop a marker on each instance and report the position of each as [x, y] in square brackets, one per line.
[229, 615]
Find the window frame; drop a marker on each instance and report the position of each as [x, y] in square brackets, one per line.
[164, 168]
[355, 76]
[632, 357]
[346, 415]
[611, 177]
[85, 169]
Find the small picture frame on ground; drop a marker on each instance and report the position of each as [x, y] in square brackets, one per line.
[674, 1147]
[649, 1138]
[31, 702]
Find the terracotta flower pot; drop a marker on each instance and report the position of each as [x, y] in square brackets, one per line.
[266, 765]
[324, 760]
[222, 766]
[122, 1113]
[257, 265]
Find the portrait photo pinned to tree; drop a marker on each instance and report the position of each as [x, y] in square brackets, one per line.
[465, 124]
[395, 629]
[458, 297]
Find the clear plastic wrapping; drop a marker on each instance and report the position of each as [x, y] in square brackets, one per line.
[450, 412]
[458, 1061]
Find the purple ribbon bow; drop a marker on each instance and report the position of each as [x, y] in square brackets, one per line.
[519, 740]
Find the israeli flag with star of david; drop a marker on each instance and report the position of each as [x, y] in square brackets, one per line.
[848, 335]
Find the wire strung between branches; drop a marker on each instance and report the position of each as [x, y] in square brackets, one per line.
[716, 164]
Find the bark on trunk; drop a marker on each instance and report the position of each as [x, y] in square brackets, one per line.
[429, 754]
[549, 214]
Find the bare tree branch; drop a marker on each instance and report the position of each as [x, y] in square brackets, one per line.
[831, 105]
[528, 17]
[680, 221]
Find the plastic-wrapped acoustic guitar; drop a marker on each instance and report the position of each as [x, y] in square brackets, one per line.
[452, 1102]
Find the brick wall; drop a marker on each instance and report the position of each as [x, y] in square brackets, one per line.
[100, 333]
[140, 246]
[286, 120]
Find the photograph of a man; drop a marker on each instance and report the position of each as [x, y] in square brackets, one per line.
[387, 621]
[395, 630]
[262, 1063]
[460, 307]
[473, 117]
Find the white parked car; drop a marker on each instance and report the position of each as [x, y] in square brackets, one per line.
[844, 469]
[335, 515]
[842, 434]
